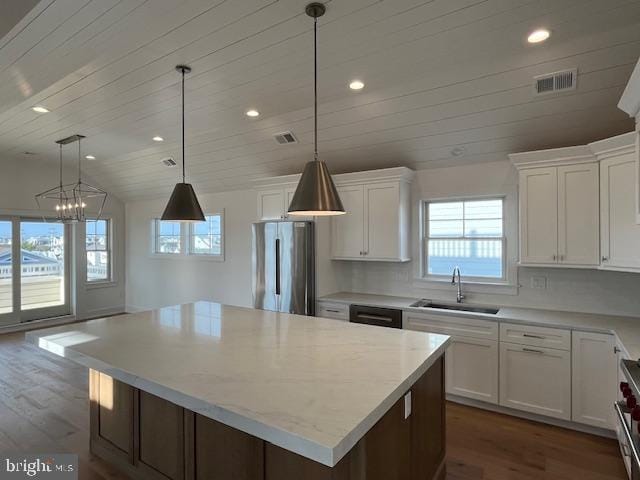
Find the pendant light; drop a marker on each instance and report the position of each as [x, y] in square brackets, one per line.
[316, 194]
[183, 205]
[71, 199]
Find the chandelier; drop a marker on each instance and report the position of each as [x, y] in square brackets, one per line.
[72, 200]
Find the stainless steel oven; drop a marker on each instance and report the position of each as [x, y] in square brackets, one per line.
[628, 418]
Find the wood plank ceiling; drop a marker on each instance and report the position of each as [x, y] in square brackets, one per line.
[442, 77]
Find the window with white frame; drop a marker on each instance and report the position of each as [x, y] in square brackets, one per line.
[206, 238]
[468, 234]
[167, 237]
[98, 247]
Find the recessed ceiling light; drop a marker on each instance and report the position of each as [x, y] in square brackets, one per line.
[90, 157]
[40, 109]
[252, 113]
[158, 138]
[538, 36]
[356, 85]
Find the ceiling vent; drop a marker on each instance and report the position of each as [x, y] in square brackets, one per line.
[555, 82]
[285, 138]
[169, 162]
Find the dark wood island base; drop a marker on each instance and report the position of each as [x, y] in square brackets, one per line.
[150, 438]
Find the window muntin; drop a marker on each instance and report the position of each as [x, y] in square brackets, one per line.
[98, 247]
[6, 267]
[168, 237]
[206, 238]
[468, 234]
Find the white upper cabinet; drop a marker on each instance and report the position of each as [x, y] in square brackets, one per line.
[347, 231]
[539, 215]
[578, 222]
[559, 215]
[376, 225]
[620, 234]
[271, 204]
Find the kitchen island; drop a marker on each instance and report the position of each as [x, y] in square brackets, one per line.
[204, 391]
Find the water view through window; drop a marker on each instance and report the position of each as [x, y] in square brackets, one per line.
[42, 257]
[467, 234]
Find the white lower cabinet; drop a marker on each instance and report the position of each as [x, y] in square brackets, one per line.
[594, 379]
[536, 380]
[472, 368]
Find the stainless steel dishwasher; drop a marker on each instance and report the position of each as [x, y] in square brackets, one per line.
[381, 317]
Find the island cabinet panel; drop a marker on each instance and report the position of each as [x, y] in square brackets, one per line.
[222, 452]
[151, 438]
[428, 424]
[111, 415]
[159, 437]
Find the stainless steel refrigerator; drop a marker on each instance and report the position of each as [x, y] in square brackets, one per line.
[283, 261]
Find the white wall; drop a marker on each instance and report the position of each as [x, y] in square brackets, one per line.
[19, 182]
[566, 289]
[154, 281]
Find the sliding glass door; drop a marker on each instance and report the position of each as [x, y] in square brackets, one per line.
[34, 269]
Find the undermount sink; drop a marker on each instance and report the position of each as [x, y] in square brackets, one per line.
[454, 306]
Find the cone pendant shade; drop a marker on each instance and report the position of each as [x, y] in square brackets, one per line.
[316, 193]
[183, 205]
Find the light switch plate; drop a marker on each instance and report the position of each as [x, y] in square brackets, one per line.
[407, 405]
[539, 282]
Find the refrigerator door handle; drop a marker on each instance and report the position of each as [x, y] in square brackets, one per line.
[277, 266]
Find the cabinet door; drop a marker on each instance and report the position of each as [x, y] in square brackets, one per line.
[536, 380]
[270, 204]
[578, 214]
[382, 240]
[347, 231]
[472, 368]
[620, 235]
[594, 379]
[539, 215]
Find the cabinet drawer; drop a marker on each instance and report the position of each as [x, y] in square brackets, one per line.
[536, 380]
[338, 311]
[535, 336]
[450, 325]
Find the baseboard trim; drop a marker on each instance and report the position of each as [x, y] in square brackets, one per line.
[579, 427]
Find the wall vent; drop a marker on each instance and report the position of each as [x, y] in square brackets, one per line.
[555, 82]
[285, 138]
[169, 162]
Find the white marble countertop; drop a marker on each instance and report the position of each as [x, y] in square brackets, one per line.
[310, 385]
[627, 329]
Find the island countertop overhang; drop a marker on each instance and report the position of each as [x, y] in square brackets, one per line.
[312, 386]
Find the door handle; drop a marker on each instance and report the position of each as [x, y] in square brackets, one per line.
[369, 316]
[277, 266]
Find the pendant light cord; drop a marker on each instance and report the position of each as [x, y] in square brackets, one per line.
[61, 167]
[183, 175]
[79, 160]
[315, 88]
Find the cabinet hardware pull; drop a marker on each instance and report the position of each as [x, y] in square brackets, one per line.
[530, 335]
[616, 349]
[605, 259]
[332, 311]
[531, 350]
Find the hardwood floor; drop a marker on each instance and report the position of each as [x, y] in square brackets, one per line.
[44, 408]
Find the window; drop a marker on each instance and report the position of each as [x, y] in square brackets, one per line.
[98, 246]
[206, 237]
[168, 237]
[467, 234]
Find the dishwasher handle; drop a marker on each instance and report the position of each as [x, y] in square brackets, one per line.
[381, 317]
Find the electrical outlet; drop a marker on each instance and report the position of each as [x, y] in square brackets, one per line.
[407, 405]
[539, 282]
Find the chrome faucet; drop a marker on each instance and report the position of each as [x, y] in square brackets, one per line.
[460, 296]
